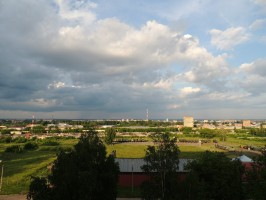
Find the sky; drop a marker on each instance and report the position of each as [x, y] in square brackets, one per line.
[81, 59]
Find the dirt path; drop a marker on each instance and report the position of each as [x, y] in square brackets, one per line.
[13, 197]
[23, 197]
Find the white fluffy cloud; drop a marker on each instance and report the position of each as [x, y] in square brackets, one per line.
[257, 67]
[189, 90]
[228, 38]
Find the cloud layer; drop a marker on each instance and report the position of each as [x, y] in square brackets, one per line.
[60, 58]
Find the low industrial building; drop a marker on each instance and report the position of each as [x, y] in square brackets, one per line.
[131, 174]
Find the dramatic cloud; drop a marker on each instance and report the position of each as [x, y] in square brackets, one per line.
[64, 58]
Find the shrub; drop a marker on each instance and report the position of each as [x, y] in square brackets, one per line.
[30, 146]
[8, 139]
[14, 149]
[6, 131]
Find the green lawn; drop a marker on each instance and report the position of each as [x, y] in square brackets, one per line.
[125, 150]
[18, 168]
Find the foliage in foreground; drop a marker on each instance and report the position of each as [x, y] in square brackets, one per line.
[256, 178]
[214, 176]
[161, 164]
[211, 175]
[83, 173]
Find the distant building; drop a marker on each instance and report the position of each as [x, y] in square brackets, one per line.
[246, 123]
[208, 126]
[16, 132]
[238, 126]
[188, 122]
[3, 127]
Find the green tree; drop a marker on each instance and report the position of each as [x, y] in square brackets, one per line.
[83, 173]
[161, 163]
[31, 146]
[222, 133]
[186, 130]
[38, 129]
[256, 178]
[39, 189]
[215, 176]
[110, 134]
[6, 131]
[207, 133]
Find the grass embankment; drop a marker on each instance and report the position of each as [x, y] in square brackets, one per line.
[19, 167]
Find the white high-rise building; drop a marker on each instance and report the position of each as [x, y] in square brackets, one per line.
[188, 121]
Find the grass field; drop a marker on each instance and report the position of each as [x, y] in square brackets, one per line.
[19, 167]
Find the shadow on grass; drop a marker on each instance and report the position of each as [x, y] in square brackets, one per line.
[16, 163]
[128, 192]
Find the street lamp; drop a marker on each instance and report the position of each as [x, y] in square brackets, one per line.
[1, 180]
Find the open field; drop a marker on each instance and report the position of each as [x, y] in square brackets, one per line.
[19, 167]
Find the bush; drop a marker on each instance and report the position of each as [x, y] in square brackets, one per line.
[186, 130]
[31, 146]
[207, 133]
[50, 142]
[14, 149]
[6, 131]
[8, 139]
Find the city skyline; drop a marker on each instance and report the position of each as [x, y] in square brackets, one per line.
[110, 60]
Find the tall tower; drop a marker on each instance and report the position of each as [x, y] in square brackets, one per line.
[32, 124]
[32, 121]
[147, 114]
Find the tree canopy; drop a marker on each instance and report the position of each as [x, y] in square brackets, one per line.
[256, 177]
[110, 134]
[215, 176]
[162, 161]
[82, 173]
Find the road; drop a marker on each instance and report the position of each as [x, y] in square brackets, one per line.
[23, 197]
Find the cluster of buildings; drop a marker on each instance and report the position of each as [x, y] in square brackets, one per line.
[188, 121]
